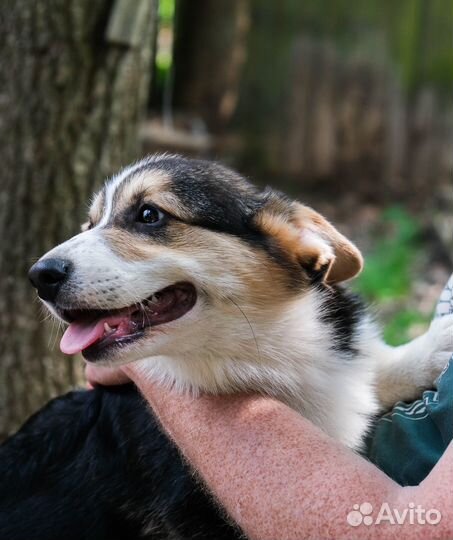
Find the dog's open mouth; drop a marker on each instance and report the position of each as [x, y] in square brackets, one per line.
[93, 331]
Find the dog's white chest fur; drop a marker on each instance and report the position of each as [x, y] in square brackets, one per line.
[291, 357]
[220, 287]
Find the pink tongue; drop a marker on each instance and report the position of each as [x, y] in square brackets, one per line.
[80, 335]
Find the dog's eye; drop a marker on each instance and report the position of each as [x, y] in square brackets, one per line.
[150, 215]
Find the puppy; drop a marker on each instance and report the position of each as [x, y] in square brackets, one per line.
[223, 288]
[220, 287]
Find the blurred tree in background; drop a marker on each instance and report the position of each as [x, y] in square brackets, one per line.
[346, 104]
[338, 95]
[74, 79]
[208, 58]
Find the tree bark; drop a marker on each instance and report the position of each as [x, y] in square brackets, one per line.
[74, 79]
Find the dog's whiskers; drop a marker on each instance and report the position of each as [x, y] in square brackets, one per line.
[250, 325]
[52, 336]
[57, 325]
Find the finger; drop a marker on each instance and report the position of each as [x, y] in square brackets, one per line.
[105, 376]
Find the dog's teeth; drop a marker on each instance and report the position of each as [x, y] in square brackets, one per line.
[154, 299]
[107, 327]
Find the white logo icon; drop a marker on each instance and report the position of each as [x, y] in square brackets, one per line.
[360, 514]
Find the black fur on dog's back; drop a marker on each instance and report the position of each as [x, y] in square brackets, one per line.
[95, 465]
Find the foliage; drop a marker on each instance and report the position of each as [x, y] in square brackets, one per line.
[398, 330]
[387, 270]
[166, 11]
[387, 275]
[164, 53]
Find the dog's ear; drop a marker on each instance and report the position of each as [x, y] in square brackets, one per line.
[324, 253]
[323, 249]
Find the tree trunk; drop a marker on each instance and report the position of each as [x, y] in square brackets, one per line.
[73, 84]
[209, 52]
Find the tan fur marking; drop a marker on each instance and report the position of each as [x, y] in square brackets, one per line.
[130, 246]
[287, 236]
[154, 187]
[170, 203]
[220, 255]
[333, 250]
[228, 255]
[348, 261]
[145, 183]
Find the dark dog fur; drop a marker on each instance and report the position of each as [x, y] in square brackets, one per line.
[95, 465]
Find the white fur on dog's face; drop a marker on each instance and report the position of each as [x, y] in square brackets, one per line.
[266, 318]
[114, 265]
[256, 260]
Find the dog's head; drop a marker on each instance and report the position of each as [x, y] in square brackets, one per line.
[177, 252]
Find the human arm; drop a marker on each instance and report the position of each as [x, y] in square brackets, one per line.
[278, 476]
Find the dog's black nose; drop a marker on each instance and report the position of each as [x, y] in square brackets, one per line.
[47, 276]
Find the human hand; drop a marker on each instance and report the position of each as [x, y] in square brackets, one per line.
[105, 376]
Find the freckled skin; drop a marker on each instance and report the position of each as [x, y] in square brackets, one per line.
[281, 476]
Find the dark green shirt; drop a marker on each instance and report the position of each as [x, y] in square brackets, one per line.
[409, 440]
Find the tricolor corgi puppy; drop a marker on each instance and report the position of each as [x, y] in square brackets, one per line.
[223, 287]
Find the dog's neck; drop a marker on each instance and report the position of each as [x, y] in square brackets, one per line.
[288, 354]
